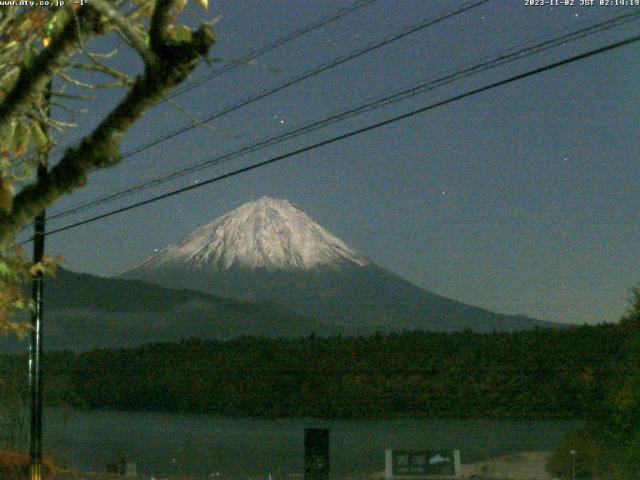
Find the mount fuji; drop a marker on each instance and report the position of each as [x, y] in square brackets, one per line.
[267, 234]
[270, 250]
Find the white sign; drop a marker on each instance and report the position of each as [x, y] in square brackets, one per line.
[401, 464]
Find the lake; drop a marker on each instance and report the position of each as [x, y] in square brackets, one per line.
[202, 445]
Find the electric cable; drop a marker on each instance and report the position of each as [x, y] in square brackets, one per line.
[267, 48]
[403, 94]
[309, 74]
[353, 133]
[321, 22]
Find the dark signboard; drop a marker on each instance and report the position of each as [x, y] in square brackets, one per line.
[316, 454]
[423, 463]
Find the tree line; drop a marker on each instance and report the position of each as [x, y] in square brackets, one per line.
[537, 374]
[608, 446]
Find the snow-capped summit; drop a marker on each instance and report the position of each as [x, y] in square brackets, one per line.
[268, 250]
[267, 233]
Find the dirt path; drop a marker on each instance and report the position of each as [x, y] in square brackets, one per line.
[517, 466]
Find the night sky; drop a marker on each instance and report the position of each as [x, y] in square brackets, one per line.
[523, 199]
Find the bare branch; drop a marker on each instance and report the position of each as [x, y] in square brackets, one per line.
[68, 96]
[69, 110]
[127, 29]
[60, 125]
[197, 121]
[112, 72]
[100, 149]
[32, 80]
[137, 12]
[8, 15]
[96, 55]
[90, 86]
[13, 71]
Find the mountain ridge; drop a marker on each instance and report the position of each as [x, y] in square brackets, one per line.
[339, 285]
[266, 233]
[85, 311]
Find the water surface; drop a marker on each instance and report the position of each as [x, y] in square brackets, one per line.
[201, 445]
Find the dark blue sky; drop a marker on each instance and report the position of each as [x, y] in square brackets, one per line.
[523, 199]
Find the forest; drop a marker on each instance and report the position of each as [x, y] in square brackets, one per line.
[536, 374]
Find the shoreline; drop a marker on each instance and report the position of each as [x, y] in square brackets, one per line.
[526, 465]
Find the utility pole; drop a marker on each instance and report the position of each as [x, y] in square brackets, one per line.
[36, 350]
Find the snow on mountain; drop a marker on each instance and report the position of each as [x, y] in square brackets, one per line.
[270, 251]
[267, 233]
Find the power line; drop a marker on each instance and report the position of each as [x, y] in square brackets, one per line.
[501, 59]
[309, 74]
[267, 48]
[316, 71]
[321, 22]
[354, 133]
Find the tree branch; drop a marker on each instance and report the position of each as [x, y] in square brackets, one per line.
[90, 86]
[61, 94]
[127, 29]
[159, 23]
[33, 80]
[112, 72]
[198, 122]
[101, 148]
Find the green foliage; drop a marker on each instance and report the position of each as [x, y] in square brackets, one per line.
[609, 445]
[539, 374]
[42, 49]
[631, 320]
[581, 449]
[13, 411]
[15, 273]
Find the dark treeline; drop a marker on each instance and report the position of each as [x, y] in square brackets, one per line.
[538, 374]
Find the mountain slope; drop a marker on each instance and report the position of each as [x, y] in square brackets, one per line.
[268, 233]
[358, 299]
[270, 250]
[85, 311]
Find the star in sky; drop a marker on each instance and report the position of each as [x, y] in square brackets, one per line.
[558, 113]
